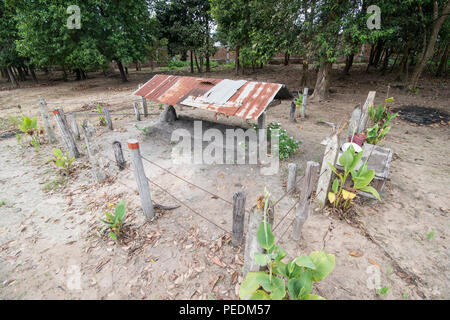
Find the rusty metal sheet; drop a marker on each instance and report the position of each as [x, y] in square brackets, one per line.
[240, 98]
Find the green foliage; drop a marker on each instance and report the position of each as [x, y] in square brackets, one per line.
[383, 291]
[63, 160]
[287, 145]
[29, 128]
[101, 119]
[114, 221]
[361, 178]
[292, 280]
[298, 274]
[381, 117]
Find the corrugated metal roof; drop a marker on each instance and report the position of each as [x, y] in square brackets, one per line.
[239, 98]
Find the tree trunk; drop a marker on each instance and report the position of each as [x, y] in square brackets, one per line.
[196, 63]
[286, 59]
[348, 63]
[323, 82]
[237, 58]
[77, 74]
[5, 74]
[192, 61]
[386, 61]
[443, 63]
[12, 78]
[33, 74]
[305, 66]
[208, 64]
[122, 71]
[430, 45]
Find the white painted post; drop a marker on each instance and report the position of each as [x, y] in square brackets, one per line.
[141, 179]
[66, 134]
[46, 120]
[304, 102]
[303, 210]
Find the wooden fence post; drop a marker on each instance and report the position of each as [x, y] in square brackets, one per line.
[141, 179]
[303, 210]
[238, 218]
[120, 160]
[46, 120]
[292, 178]
[304, 102]
[108, 118]
[136, 110]
[73, 124]
[66, 134]
[293, 109]
[354, 122]
[252, 246]
[144, 106]
[98, 174]
[330, 156]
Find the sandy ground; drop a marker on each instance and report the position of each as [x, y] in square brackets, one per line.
[51, 245]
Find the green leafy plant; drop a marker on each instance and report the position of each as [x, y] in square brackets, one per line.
[63, 160]
[299, 100]
[383, 291]
[114, 222]
[340, 197]
[381, 117]
[297, 276]
[101, 119]
[29, 128]
[287, 145]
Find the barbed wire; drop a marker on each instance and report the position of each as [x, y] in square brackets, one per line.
[178, 200]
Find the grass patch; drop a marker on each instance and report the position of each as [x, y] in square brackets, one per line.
[56, 184]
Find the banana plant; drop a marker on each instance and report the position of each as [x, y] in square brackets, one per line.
[339, 197]
[292, 280]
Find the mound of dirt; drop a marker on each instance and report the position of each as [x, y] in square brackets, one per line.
[422, 115]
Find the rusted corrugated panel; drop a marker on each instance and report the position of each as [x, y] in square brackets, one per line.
[240, 98]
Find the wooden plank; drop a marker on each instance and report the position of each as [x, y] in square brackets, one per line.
[330, 156]
[141, 179]
[354, 122]
[238, 218]
[365, 112]
[303, 210]
[43, 109]
[66, 134]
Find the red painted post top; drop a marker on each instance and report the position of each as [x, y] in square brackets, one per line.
[55, 111]
[133, 144]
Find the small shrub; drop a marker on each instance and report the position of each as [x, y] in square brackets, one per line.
[298, 274]
[114, 222]
[287, 145]
[29, 128]
[63, 160]
[102, 120]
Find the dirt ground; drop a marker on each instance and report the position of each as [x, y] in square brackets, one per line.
[52, 247]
